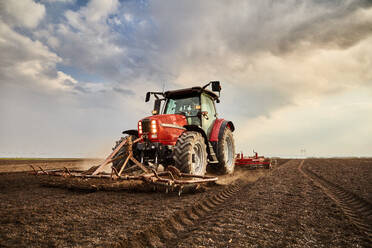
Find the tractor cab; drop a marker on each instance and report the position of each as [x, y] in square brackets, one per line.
[197, 104]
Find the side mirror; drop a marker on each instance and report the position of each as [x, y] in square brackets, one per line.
[216, 86]
[157, 105]
[147, 97]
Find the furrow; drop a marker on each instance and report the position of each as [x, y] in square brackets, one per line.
[353, 206]
[180, 223]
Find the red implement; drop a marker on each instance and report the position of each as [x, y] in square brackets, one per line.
[253, 162]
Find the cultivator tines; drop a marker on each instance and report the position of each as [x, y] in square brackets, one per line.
[95, 178]
[254, 162]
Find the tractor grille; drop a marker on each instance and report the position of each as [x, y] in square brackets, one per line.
[146, 125]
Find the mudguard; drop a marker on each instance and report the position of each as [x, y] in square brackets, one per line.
[218, 128]
[217, 132]
[131, 132]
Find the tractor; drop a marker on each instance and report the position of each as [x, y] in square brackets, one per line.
[169, 150]
[184, 131]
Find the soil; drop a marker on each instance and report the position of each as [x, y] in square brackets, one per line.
[5, 161]
[11, 165]
[252, 208]
[352, 174]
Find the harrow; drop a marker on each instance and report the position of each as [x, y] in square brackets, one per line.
[254, 162]
[97, 177]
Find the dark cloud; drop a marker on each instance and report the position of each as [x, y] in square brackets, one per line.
[341, 28]
[266, 49]
[81, 89]
[125, 92]
[68, 82]
[194, 30]
[269, 56]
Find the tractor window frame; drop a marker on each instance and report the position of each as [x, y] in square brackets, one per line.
[184, 97]
[213, 105]
[207, 105]
[215, 109]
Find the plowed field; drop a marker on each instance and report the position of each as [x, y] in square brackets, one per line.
[311, 203]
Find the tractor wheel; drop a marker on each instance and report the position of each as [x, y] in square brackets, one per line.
[123, 152]
[226, 152]
[190, 153]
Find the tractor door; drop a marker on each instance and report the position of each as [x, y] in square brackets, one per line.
[208, 113]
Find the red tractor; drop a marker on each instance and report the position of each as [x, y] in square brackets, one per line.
[170, 149]
[184, 131]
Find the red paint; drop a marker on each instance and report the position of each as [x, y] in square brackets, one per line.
[216, 129]
[167, 135]
[254, 160]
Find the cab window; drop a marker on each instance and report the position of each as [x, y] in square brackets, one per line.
[209, 116]
[185, 106]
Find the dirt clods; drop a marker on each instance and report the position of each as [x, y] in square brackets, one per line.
[281, 207]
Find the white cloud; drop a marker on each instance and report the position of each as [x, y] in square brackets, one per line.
[276, 61]
[98, 10]
[57, 1]
[93, 16]
[31, 64]
[22, 13]
[24, 60]
[335, 126]
[285, 50]
[128, 17]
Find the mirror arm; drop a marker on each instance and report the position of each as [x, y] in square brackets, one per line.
[205, 86]
[156, 94]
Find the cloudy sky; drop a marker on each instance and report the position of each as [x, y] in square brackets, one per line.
[296, 74]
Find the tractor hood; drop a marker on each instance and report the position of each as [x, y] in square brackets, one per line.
[169, 119]
[164, 128]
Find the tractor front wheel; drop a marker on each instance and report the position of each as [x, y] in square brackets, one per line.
[190, 153]
[226, 152]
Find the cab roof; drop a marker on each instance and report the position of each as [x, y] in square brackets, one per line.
[189, 91]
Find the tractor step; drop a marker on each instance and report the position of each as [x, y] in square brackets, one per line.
[212, 155]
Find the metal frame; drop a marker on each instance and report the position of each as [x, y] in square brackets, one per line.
[254, 162]
[170, 178]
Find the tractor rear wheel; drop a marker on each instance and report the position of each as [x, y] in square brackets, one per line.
[123, 154]
[190, 153]
[226, 152]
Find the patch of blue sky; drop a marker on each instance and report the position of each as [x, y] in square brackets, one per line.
[24, 31]
[139, 3]
[118, 24]
[133, 33]
[80, 75]
[55, 10]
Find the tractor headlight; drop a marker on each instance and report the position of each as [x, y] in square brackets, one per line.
[140, 127]
[153, 127]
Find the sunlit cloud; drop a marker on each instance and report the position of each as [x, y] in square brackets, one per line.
[286, 69]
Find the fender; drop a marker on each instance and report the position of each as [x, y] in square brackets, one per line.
[131, 132]
[218, 128]
[217, 132]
